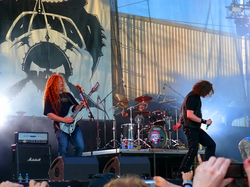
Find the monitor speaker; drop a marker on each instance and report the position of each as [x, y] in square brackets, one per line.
[70, 168]
[32, 159]
[128, 165]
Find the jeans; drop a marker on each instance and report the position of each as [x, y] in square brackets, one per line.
[194, 137]
[74, 138]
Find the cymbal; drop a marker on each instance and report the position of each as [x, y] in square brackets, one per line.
[141, 112]
[168, 101]
[120, 101]
[143, 99]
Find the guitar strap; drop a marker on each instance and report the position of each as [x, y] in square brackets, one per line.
[66, 95]
[70, 101]
[69, 98]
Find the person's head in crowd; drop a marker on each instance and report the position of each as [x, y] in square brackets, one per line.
[244, 148]
[99, 180]
[128, 180]
[74, 183]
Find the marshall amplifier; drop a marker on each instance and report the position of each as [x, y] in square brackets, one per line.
[31, 137]
[32, 159]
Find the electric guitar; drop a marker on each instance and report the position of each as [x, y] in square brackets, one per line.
[69, 128]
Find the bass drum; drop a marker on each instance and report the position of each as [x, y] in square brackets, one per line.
[157, 136]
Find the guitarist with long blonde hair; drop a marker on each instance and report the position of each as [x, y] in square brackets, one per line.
[57, 104]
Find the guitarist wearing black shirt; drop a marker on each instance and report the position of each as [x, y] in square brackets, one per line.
[191, 120]
[58, 103]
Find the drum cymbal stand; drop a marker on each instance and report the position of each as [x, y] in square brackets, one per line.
[171, 143]
[167, 121]
[177, 142]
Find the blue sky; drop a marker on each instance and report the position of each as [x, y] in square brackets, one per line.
[209, 14]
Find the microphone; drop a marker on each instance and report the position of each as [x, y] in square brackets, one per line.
[79, 87]
[207, 127]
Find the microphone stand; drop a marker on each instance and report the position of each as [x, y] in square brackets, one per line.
[91, 117]
[106, 114]
[114, 121]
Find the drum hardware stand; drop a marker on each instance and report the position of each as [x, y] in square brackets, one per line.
[139, 140]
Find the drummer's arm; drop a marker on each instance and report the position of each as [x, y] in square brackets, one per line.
[193, 117]
[124, 114]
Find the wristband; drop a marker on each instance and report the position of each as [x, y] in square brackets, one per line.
[187, 183]
[203, 121]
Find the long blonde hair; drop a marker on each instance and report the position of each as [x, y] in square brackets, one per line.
[52, 91]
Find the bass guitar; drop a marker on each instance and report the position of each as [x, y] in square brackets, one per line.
[69, 128]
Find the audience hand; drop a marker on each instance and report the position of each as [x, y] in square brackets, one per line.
[212, 172]
[33, 183]
[161, 182]
[187, 175]
[10, 184]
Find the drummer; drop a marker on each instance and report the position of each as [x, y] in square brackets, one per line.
[140, 115]
[141, 107]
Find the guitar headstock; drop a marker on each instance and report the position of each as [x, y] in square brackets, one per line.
[95, 88]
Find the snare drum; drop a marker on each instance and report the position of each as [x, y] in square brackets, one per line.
[156, 118]
[127, 130]
[157, 136]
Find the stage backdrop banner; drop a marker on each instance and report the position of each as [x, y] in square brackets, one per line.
[39, 38]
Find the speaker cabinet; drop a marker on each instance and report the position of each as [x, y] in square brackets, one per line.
[70, 168]
[124, 165]
[32, 159]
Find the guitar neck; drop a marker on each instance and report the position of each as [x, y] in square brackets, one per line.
[81, 106]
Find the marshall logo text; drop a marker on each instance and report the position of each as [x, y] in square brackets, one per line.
[34, 159]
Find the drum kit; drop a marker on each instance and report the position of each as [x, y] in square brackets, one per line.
[146, 135]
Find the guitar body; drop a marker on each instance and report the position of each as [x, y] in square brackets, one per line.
[69, 128]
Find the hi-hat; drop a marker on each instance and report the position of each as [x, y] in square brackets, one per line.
[143, 99]
[120, 101]
[146, 113]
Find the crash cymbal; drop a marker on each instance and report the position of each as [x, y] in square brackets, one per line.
[168, 101]
[141, 112]
[143, 99]
[120, 101]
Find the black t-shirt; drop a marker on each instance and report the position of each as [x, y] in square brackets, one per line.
[194, 103]
[67, 100]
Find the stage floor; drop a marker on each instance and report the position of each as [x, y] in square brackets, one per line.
[135, 152]
[163, 162]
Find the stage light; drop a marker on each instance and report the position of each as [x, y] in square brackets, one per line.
[235, 9]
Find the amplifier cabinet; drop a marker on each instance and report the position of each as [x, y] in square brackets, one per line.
[32, 159]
